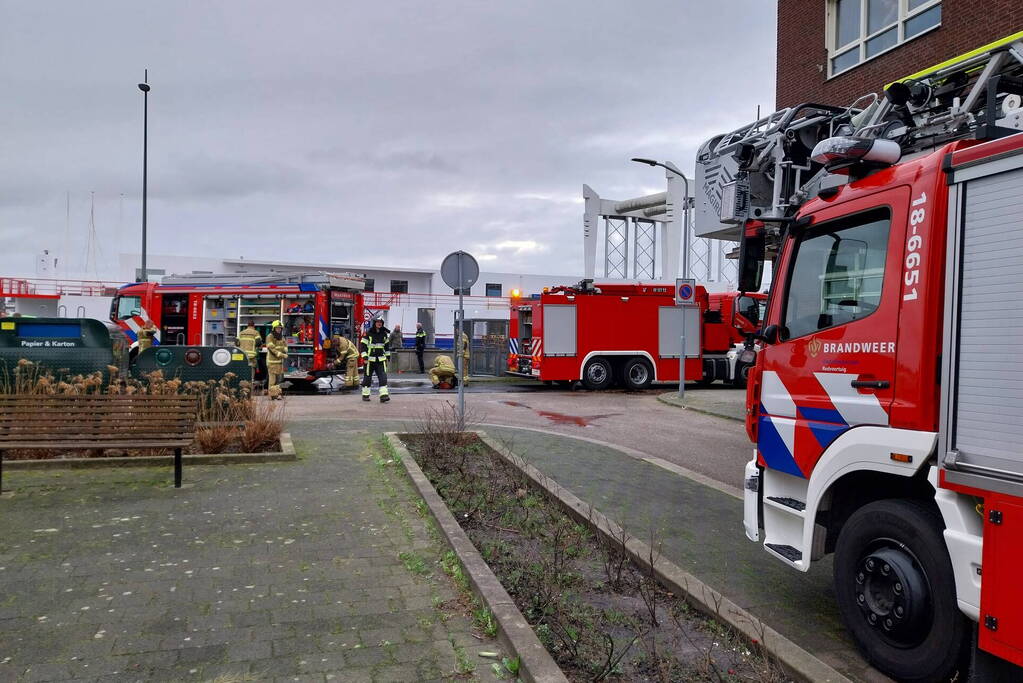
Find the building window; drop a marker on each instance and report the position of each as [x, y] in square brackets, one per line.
[493, 289]
[859, 30]
[399, 286]
[369, 285]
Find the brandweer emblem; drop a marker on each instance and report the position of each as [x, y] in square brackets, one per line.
[813, 347]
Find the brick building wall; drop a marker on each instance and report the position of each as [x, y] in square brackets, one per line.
[802, 70]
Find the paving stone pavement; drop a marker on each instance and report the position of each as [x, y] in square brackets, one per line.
[286, 571]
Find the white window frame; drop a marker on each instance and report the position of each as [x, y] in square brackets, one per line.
[860, 43]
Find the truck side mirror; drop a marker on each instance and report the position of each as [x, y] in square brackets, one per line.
[751, 262]
[770, 334]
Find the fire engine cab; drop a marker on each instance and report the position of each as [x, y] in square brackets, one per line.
[209, 310]
[885, 403]
[631, 334]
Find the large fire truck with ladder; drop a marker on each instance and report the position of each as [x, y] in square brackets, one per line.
[210, 310]
[631, 334]
[886, 401]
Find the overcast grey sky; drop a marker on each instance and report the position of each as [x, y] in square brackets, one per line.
[382, 133]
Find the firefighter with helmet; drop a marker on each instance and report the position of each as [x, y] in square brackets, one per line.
[346, 358]
[249, 341]
[276, 352]
[374, 351]
[147, 335]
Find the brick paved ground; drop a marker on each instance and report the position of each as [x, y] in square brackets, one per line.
[286, 571]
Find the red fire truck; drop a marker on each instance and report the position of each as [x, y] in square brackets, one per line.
[209, 310]
[630, 334]
[885, 403]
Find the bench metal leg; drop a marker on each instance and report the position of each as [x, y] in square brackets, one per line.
[177, 468]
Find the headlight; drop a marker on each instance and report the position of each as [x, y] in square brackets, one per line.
[221, 357]
[193, 357]
[164, 356]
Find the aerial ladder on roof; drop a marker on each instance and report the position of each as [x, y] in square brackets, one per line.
[764, 171]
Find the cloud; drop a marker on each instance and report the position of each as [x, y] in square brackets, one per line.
[386, 133]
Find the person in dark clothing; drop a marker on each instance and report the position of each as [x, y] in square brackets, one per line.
[374, 351]
[420, 346]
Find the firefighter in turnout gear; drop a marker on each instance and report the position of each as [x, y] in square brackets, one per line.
[249, 341]
[373, 349]
[147, 335]
[276, 352]
[420, 346]
[465, 358]
[346, 358]
[443, 370]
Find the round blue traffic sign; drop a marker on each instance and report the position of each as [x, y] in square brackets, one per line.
[685, 291]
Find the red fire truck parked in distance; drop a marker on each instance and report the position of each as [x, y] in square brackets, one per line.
[630, 334]
[205, 310]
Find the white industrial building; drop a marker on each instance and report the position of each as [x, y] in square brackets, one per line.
[402, 296]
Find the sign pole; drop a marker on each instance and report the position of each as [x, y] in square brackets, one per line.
[461, 351]
[459, 270]
[685, 296]
[682, 359]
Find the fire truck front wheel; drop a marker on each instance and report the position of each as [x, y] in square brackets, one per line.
[636, 374]
[597, 374]
[896, 591]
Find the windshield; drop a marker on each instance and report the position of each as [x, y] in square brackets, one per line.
[125, 307]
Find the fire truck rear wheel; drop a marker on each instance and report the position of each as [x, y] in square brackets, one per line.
[597, 375]
[895, 589]
[636, 374]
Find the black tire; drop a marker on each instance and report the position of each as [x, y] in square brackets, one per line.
[637, 374]
[896, 591]
[597, 375]
[742, 371]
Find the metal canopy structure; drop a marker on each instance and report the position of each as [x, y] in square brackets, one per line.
[643, 237]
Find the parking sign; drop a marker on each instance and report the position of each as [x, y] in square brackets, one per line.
[685, 291]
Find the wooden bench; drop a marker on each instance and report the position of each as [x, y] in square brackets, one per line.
[97, 422]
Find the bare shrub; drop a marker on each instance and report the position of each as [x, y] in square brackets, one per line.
[263, 428]
[215, 438]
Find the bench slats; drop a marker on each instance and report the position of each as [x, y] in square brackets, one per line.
[86, 444]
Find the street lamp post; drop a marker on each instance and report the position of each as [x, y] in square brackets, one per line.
[671, 168]
[144, 87]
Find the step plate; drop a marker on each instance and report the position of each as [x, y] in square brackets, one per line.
[786, 551]
[789, 502]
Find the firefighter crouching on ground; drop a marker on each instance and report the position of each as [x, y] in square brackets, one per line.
[346, 358]
[465, 358]
[249, 341]
[276, 352]
[443, 370]
[373, 348]
[147, 335]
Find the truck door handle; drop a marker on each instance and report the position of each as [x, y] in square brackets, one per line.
[870, 383]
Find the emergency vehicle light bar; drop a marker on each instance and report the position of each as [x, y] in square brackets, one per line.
[847, 149]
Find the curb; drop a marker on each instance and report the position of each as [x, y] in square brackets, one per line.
[514, 632]
[795, 660]
[705, 411]
[286, 454]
